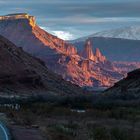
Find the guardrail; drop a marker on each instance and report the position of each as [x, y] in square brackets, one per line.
[5, 131]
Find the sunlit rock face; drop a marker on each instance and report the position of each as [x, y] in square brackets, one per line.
[86, 69]
[99, 56]
[23, 31]
[24, 16]
[85, 65]
[89, 54]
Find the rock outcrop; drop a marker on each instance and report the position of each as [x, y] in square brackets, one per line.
[127, 86]
[24, 16]
[99, 56]
[86, 69]
[89, 54]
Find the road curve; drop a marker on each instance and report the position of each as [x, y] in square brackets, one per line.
[3, 133]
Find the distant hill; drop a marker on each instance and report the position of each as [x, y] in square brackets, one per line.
[130, 32]
[115, 49]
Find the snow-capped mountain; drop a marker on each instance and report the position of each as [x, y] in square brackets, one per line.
[113, 43]
[132, 32]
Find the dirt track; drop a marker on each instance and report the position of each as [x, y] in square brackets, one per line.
[22, 133]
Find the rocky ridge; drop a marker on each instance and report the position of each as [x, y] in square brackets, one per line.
[130, 85]
[22, 73]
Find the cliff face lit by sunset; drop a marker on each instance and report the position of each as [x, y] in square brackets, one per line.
[89, 68]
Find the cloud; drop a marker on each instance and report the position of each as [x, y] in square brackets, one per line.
[70, 19]
[63, 35]
[86, 20]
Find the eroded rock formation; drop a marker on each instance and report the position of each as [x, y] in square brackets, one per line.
[89, 54]
[99, 56]
[87, 69]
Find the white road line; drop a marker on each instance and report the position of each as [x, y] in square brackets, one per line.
[6, 136]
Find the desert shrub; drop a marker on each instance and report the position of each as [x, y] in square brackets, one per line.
[119, 134]
[117, 113]
[100, 133]
[66, 129]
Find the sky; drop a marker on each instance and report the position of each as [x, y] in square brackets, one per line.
[71, 19]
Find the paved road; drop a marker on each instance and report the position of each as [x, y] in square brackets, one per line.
[3, 133]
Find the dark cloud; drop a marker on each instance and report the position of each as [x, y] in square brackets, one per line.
[77, 17]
